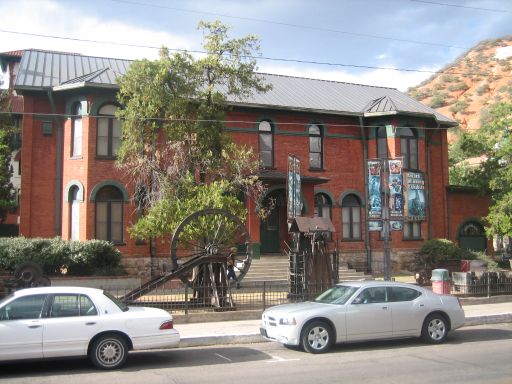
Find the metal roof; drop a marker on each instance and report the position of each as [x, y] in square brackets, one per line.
[43, 70]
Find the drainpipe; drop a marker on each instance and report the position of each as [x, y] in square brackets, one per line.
[366, 233]
[429, 173]
[58, 170]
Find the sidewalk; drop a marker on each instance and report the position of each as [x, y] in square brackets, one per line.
[247, 331]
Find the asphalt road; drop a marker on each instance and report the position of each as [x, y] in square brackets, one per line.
[480, 354]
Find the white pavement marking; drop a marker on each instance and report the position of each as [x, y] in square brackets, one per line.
[277, 359]
[223, 357]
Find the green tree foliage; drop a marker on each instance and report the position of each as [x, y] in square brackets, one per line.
[7, 130]
[175, 147]
[494, 176]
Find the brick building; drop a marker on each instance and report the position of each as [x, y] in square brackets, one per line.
[71, 188]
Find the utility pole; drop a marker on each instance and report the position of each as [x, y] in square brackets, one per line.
[386, 229]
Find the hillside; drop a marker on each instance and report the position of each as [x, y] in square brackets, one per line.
[464, 89]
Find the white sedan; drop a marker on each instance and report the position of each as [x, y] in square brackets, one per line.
[363, 310]
[74, 321]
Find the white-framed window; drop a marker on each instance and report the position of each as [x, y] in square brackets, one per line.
[76, 130]
[412, 230]
[409, 148]
[74, 213]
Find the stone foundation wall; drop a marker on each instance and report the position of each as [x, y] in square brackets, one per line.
[402, 261]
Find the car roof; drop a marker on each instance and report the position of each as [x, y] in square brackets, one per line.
[57, 289]
[374, 283]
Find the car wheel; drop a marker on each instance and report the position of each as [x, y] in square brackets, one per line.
[109, 352]
[435, 329]
[317, 337]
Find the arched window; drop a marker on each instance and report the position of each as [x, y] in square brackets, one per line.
[351, 217]
[76, 130]
[323, 205]
[74, 213]
[266, 138]
[315, 147]
[382, 143]
[109, 214]
[409, 148]
[109, 132]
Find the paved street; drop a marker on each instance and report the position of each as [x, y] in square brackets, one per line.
[479, 354]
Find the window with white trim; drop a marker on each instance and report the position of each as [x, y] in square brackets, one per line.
[109, 132]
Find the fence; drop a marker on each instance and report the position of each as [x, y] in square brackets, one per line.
[482, 284]
[256, 296]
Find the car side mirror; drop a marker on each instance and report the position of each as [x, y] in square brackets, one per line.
[357, 300]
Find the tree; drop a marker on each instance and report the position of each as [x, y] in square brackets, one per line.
[175, 148]
[493, 143]
[7, 130]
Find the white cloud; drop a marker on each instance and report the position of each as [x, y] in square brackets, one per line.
[50, 18]
[376, 77]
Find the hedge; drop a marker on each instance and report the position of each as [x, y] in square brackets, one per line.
[79, 258]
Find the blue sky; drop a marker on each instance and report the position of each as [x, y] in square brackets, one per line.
[407, 34]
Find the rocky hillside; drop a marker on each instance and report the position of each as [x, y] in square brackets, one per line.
[465, 88]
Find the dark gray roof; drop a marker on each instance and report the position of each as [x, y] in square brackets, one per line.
[42, 70]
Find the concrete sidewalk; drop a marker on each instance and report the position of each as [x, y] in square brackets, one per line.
[247, 331]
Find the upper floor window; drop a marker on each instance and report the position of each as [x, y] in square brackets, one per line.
[315, 147]
[266, 138]
[76, 130]
[109, 132]
[351, 217]
[109, 214]
[382, 143]
[409, 148]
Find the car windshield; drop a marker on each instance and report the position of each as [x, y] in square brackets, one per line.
[122, 306]
[336, 295]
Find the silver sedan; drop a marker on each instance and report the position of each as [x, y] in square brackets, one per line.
[363, 310]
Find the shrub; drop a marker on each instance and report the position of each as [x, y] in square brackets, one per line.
[439, 250]
[438, 100]
[81, 258]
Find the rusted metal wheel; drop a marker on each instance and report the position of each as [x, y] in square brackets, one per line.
[27, 272]
[214, 235]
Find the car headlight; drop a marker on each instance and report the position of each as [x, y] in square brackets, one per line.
[287, 321]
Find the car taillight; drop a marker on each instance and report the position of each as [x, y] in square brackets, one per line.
[167, 325]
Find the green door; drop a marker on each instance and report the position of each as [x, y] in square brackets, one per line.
[269, 232]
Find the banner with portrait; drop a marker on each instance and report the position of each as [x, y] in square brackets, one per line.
[293, 185]
[396, 196]
[375, 189]
[415, 196]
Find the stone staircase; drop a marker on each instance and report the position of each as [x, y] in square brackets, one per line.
[274, 269]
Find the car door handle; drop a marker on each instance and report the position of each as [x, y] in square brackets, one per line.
[34, 326]
[422, 305]
[90, 323]
[384, 307]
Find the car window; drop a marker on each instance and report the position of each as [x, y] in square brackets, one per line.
[122, 306]
[66, 305]
[26, 307]
[336, 295]
[403, 294]
[372, 295]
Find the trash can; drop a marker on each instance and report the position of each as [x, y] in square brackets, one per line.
[441, 281]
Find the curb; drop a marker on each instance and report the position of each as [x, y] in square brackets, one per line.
[255, 337]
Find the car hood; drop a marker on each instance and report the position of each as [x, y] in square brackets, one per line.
[296, 308]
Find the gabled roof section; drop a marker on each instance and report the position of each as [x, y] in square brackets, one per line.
[44, 70]
[382, 105]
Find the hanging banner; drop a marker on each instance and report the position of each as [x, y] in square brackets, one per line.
[415, 196]
[375, 189]
[293, 185]
[396, 197]
[374, 226]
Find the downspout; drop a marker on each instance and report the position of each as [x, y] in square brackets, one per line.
[366, 232]
[59, 167]
[429, 175]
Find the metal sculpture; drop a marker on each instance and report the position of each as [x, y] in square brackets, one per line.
[202, 247]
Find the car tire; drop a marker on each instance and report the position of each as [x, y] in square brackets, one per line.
[317, 337]
[109, 352]
[435, 329]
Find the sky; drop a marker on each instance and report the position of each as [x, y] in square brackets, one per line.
[390, 43]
